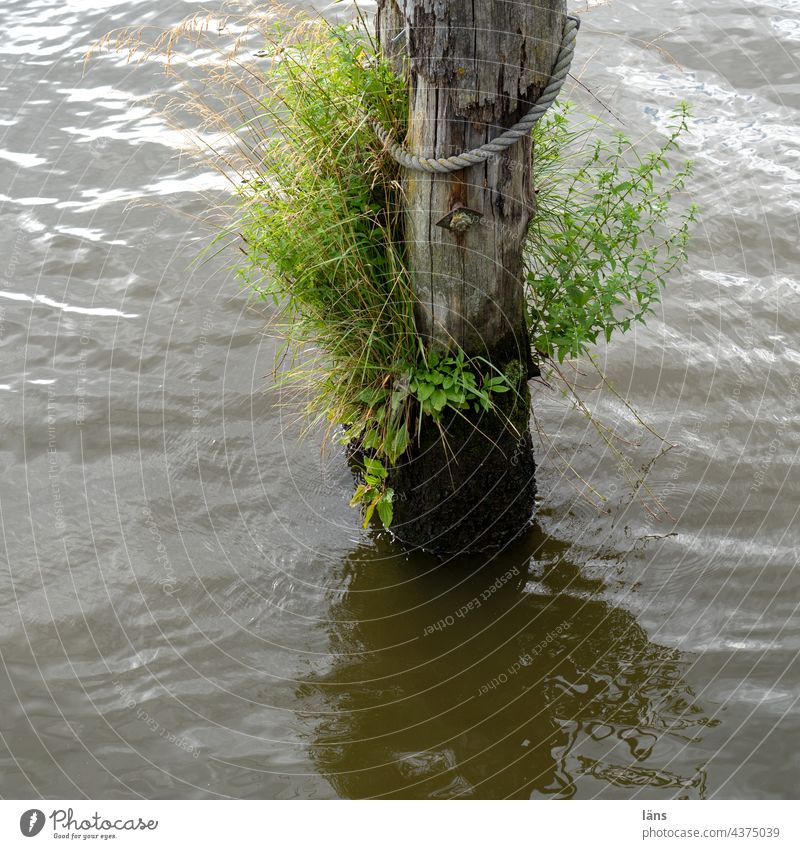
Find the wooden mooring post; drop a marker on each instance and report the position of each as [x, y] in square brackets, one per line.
[474, 69]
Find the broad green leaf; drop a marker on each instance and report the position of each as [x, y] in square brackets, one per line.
[374, 467]
[386, 508]
[439, 400]
[425, 391]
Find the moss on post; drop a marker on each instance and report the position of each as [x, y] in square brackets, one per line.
[469, 484]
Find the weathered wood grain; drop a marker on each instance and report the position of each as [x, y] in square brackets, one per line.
[475, 68]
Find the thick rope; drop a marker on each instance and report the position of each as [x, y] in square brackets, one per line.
[510, 136]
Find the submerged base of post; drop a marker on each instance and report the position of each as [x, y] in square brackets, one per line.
[471, 486]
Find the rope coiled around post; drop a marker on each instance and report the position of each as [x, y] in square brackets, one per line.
[504, 141]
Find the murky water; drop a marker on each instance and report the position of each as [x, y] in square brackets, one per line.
[188, 606]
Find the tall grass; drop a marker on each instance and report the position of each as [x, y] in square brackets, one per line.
[321, 223]
[281, 105]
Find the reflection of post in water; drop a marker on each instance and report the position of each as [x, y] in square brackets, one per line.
[462, 680]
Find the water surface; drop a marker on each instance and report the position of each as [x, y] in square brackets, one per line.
[188, 607]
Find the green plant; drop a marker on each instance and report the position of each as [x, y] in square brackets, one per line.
[317, 213]
[605, 237]
[442, 382]
[374, 493]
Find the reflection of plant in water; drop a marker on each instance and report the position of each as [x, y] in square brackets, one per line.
[595, 710]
